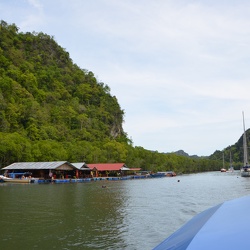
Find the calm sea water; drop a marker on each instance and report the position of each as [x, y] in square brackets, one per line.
[130, 214]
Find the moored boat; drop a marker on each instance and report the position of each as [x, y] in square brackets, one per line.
[2, 178]
[231, 168]
[163, 174]
[158, 174]
[17, 180]
[245, 170]
[223, 169]
[170, 174]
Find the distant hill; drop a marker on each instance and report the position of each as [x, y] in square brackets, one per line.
[183, 153]
[236, 151]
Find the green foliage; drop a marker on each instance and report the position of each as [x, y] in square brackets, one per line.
[14, 147]
[47, 99]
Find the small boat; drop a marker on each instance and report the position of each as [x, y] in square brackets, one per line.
[158, 174]
[220, 227]
[163, 174]
[223, 169]
[170, 174]
[245, 170]
[17, 180]
[2, 178]
[231, 168]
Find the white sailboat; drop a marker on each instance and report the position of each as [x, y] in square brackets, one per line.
[223, 169]
[231, 168]
[245, 170]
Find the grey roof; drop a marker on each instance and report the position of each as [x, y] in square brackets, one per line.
[80, 165]
[37, 165]
[125, 168]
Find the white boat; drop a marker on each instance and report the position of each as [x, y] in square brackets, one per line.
[3, 177]
[223, 169]
[245, 170]
[231, 168]
[16, 180]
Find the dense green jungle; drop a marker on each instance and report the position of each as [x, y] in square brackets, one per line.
[51, 110]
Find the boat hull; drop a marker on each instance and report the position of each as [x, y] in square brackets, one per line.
[245, 173]
[16, 180]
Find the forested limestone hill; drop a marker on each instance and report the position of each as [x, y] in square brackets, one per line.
[51, 109]
[49, 105]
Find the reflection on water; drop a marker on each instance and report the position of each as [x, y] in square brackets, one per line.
[132, 214]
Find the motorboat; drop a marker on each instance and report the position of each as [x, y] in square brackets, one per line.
[16, 180]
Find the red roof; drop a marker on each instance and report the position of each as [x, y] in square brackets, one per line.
[106, 166]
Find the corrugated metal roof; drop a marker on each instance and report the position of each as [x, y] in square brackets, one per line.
[37, 165]
[125, 168]
[107, 166]
[80, 165]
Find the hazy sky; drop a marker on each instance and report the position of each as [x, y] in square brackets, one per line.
[180, 69]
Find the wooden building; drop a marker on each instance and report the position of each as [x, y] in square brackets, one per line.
[42, 170]
[108, 169]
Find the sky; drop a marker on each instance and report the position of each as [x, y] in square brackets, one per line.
[180, 69]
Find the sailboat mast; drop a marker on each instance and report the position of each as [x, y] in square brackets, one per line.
[245, 143]
[223, 158]
[231, 165]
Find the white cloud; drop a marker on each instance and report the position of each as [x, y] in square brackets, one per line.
[36, 4]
